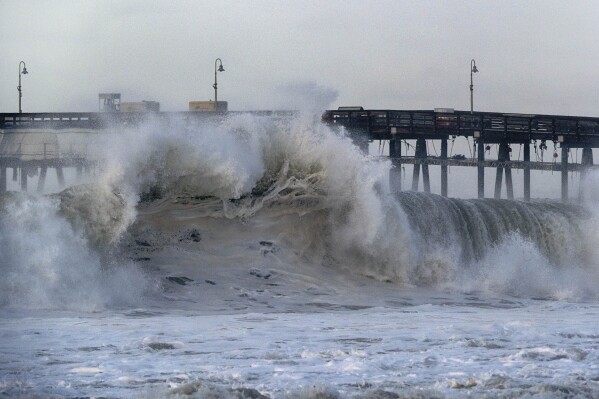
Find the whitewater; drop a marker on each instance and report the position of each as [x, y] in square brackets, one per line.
[267, 257]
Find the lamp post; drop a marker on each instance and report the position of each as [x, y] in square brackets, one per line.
[21, 72]
[215, 85]
[472, 71]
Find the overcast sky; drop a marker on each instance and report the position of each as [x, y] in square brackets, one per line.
[533, 56]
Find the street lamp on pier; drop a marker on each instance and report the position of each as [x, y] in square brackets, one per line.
[215, 85]
[21, 72]
[472, 71]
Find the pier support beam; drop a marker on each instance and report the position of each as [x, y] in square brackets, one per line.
[421, 154]
[3, 182]
[42, 179]
[527, 172]
[426, 181]
[416, 174]
[79, 172]
[586, 162]
[60, 176]
[504, 156]
[498, 181]
[444, 167]
[481, 169]
[395, 172]
[23, 179]
[509, 185]
[564, 173]
[360, 138]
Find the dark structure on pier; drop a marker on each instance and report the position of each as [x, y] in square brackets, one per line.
[484, 128]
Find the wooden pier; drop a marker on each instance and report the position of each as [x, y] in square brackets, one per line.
[485, 128]
[32, 143]
[45, 151]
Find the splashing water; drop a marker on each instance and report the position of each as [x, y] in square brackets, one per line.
[265, 257]
[255, 165]
[47, 264]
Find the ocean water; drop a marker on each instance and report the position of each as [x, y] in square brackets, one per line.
[259, 257]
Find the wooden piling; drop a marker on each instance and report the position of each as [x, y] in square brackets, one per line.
[503, 166]
[60, 176]
[586, 162]
[498, 182]
[508, 182]
[3, 182]
[23, 179]
[527, 172]
[481, 169]
[415, 176]
[564, 173]
[444, 168]
[419, 155]
[395, 172]
[42, 179]
[426, 181]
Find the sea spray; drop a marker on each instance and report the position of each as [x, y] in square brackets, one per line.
[211, 159]
[47, 264]
[297, 165]
[317, 194]
[101, 212]
[252, 161]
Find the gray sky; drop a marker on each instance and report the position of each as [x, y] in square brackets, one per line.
[533, 56]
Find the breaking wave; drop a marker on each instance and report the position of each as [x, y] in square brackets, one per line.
[310, 185]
